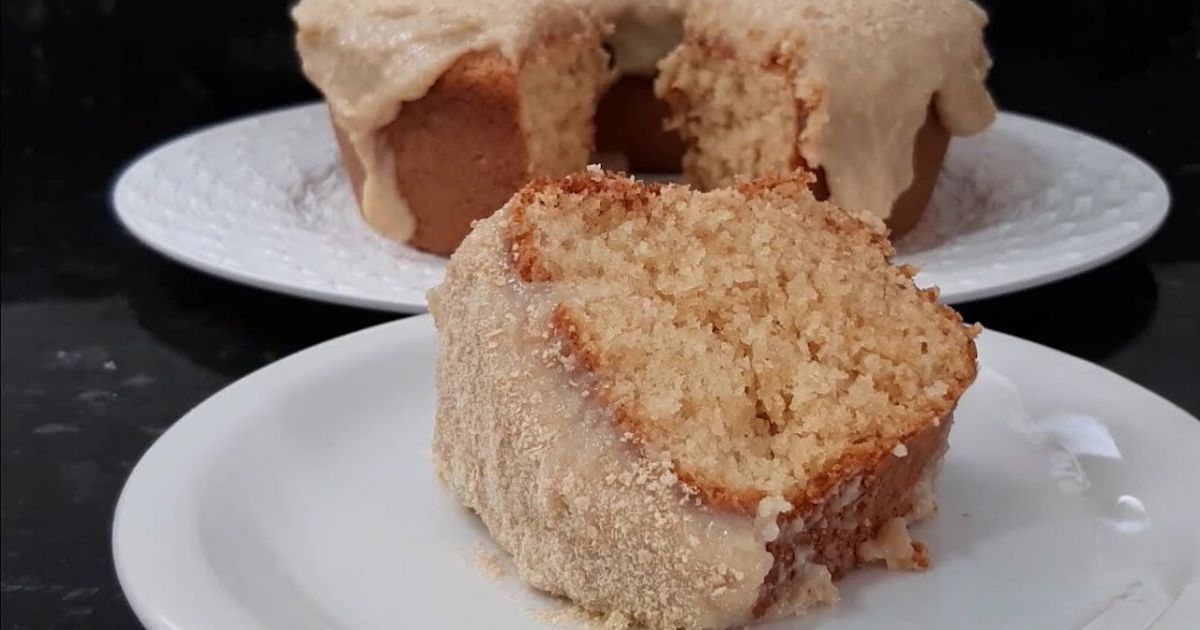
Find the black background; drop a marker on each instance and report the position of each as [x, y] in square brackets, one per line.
[105, 344]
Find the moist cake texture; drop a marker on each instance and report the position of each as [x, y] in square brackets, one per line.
[695, 408]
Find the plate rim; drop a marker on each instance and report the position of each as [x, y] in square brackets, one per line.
[195, 437]
[1063, 272]
[121, 183]
[409, 305]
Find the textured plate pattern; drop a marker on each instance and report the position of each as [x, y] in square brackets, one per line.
[263, 200]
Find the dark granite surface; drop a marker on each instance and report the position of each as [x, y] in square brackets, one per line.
[105, 344]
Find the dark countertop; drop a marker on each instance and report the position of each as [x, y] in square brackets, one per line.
[105, 344]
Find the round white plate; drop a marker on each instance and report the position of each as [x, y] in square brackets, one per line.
[263, 201]
[303, 496]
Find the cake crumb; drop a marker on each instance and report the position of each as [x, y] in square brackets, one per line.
[894, 545]
[489, 561]
[900, 450]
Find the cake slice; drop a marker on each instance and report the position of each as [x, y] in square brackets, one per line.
[697, 409]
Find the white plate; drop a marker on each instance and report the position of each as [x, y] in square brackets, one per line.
[263, 201]
[303, 497]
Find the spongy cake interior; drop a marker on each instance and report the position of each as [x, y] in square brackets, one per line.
[754, 335]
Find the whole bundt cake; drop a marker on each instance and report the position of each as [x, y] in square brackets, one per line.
[444, 108]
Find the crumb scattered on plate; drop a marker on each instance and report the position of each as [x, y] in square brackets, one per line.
[489, 561]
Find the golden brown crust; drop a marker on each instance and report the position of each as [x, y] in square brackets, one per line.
[459, 150]
[520, 235]
[884, 490]
[627, 196]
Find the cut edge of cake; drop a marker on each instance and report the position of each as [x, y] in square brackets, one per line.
[621, 196]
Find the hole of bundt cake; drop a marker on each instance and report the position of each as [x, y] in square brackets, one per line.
[629, 121]
[752, 334]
